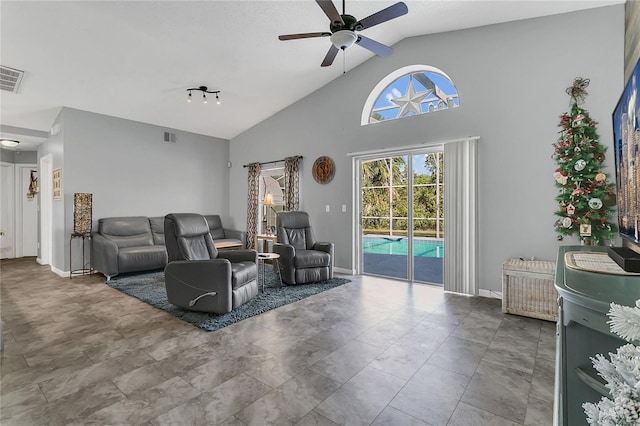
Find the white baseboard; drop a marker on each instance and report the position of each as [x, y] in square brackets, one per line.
[39, 261]
[63, 274]
[490, 293]
[344, 271]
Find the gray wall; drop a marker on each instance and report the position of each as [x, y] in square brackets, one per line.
[131, 171]
[632, 37]
[511, 79]
[18, 157]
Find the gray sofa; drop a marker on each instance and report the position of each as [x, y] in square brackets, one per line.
[136, 243]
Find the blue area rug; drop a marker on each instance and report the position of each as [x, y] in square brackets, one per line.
[149, 287]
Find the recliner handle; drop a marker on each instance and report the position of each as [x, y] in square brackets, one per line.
[193, 302]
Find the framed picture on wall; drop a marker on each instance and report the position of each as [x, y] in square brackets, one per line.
[57, 184]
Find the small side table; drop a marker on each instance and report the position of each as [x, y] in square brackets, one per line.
[84, 270]
[264, 238]
[274, 258]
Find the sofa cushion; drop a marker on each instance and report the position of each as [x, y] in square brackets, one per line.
[311, 259]
[132, 231]
[157, 230]
[242, 273]
[131, 259]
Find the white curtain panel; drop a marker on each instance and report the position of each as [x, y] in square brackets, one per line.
[460, 212]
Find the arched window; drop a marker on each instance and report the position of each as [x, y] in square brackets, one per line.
[412, 90]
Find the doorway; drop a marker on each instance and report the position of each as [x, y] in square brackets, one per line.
[401, 228]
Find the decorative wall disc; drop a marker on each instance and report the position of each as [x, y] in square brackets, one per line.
[323, 169]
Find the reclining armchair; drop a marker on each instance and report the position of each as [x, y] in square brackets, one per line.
[200, 278]
[302, 258]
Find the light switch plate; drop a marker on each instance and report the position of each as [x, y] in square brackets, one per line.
[327, 208]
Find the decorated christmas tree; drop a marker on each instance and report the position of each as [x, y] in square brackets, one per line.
[586, 195]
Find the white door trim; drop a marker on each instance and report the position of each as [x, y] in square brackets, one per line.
[46, 210]
[10, 226]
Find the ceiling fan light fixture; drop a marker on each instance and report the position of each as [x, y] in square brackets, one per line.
[9, 142]
[343, 39]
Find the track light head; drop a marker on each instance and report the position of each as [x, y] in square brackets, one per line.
[204, 90]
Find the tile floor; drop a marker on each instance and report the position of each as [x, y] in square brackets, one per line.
[372, 352]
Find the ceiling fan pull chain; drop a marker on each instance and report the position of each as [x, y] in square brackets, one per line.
[344, 61]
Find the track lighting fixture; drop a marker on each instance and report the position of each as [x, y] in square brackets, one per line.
[204, 90]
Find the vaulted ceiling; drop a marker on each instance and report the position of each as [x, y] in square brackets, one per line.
[135, 59]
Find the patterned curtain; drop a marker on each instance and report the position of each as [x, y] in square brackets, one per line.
[291, 183]
[252, 204]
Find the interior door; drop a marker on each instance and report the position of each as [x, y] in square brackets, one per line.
[29, 217]
[7, 209]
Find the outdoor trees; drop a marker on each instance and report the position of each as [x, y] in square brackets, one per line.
[385, 196]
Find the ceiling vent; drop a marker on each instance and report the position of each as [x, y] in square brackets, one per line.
[169, 137]
[10, 79]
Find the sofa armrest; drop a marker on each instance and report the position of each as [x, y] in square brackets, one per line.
[237, 235]
[287, 261]
[199, 285]
[324, 246]
[328, 248]
[104, 255]
[286, 251]
[236, 256]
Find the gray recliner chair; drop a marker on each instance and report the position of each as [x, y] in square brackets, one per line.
[200, 278]
[302, 258]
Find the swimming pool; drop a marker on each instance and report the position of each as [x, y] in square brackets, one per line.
[421, 247]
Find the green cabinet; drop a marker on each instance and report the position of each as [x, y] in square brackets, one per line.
[584, 300]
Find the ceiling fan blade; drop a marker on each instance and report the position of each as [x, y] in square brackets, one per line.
[330, 10]
[384, 15]
[302, 35]
[372, 45]
[331, 55]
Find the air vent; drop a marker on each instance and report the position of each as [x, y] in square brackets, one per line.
[10, 79]
[169, 137]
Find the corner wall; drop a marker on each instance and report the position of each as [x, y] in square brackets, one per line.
[511, 79]
[131, 171]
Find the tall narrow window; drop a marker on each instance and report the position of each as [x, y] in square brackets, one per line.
[271, 198]
[413, 90]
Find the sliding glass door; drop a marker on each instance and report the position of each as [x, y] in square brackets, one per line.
[402, 220]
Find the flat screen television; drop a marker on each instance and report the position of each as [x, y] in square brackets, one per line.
[626, 142]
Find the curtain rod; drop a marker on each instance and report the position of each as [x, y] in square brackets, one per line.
[272, 162]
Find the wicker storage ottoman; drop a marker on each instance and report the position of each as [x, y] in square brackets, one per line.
[527, 289]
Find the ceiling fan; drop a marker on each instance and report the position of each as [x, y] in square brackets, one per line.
[343, 29]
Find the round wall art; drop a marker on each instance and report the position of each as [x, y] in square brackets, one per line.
[323, 169]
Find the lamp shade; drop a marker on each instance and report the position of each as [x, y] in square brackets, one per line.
[268, 199]
[82, 213]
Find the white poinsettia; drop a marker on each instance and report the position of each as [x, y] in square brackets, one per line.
[621, 372]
